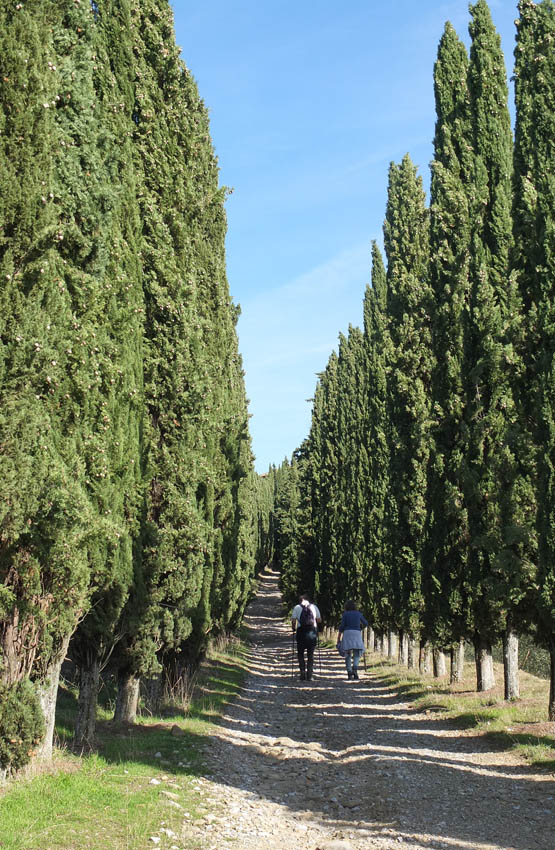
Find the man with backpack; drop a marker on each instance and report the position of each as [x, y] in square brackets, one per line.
[304, 622]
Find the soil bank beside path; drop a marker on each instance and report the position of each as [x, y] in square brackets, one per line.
[333, 764]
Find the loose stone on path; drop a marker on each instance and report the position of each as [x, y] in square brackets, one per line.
[346, 765]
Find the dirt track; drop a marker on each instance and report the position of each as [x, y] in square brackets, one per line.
[333, 764]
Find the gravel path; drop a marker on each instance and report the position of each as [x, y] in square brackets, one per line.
[334, 764]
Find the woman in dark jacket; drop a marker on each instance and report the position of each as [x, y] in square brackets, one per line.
[349, 639]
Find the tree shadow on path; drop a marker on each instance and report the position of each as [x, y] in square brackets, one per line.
[354, 754]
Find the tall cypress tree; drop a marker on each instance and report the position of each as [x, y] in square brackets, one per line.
[375, 598]
[447, 531]
[196, 554]
[534, 215]
[324, 440]
[61, 313]
[175, 537]
[488, 462]
[352, 464]
[409, 307]
[115, 426]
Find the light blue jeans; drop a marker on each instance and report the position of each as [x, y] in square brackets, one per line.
[352, 657]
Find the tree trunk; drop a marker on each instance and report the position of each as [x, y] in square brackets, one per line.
[85, 724]
[412, 654]
[551, 708]
[457, 663]
[378, 642]
[370, 638]
[127, 699]
[425, 661]
[510, 664]
[440, 667]
[404, 649]
[392, 645]
[47, 692]
[485, 679]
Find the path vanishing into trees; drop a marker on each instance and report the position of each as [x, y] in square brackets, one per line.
[333, 764]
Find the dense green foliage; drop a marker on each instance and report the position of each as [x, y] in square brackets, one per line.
[424, 488]
[21, 724]
[534, 232]
[128, 520]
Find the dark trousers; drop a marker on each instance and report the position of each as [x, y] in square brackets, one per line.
[306, 642]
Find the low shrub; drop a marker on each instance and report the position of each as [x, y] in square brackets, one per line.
[21, 725]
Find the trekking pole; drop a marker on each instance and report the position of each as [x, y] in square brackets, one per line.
[292, 655]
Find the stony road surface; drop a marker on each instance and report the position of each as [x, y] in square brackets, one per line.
[343, 765]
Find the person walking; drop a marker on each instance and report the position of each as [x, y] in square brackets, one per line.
[349, 638]
[305, 618]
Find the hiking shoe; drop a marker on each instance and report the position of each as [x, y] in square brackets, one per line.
[350, 675]
[355, 674]
[303, 676]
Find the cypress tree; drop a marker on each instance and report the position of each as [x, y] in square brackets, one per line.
[375, 597]
[264, 498]
[62, 385]
[447, 531]
[488, 461]
[175, 537]
[287, 530]
[196, 554]
[409, 307]
[352, 473]
[534, 261]
[324, 439]
[114, 430]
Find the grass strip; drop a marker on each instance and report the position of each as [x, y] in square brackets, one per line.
[141, 783]
[518, 726]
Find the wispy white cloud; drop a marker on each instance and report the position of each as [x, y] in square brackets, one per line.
[286, 336]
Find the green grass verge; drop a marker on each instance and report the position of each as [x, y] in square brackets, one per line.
[141, 780]
[518, 726]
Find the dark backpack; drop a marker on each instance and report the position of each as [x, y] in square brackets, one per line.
[307, 620]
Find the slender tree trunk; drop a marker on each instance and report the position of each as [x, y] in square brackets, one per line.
[392, 645]
[127, 699]
[370, 638]
[440, 667]
[48, 692]
[378, 642]
[412, 655]
[425, 661]
[85, 724]
[457, 663]
[510, 664]
[485, 679]
[551, 708]
[404, 649]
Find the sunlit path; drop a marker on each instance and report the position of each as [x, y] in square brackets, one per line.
[332, 763]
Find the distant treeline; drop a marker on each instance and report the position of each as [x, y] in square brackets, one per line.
[426, 486]
[128, 519]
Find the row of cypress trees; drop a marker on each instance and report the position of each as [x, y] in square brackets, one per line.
[424, 488]
[128, 518]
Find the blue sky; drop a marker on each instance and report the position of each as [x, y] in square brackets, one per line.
[309, 102]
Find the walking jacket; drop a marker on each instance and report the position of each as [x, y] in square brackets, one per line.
[352, 620]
